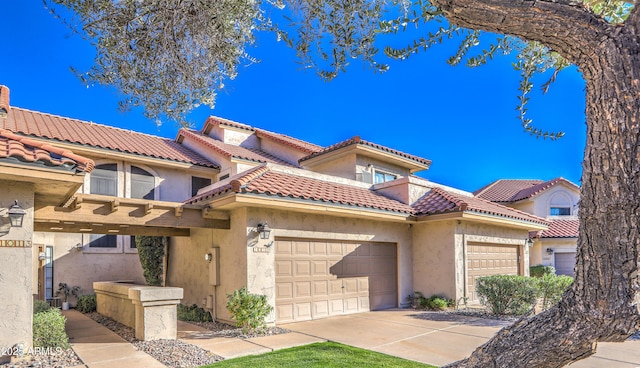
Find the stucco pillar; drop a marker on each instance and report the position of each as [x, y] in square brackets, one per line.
[16, 268]
[156, 311]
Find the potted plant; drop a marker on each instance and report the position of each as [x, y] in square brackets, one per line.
[66, 290]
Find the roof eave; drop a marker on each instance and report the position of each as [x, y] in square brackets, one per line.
[483, 218]
[356, 148]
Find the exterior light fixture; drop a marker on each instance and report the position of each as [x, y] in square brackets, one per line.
[529, 242]
[16, 215]
[264, 230]
[549, 251]
[208, 257]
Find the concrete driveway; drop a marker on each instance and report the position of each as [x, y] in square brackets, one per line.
[436, 338]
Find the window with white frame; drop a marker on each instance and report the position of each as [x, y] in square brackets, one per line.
[383, 177]
[559, 211]
[560, 204]
[104, 180]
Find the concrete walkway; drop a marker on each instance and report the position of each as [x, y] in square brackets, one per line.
[99, 347]
[437, 338]
[433, 338]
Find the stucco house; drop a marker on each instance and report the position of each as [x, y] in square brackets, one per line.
[557, 200]
[321, 231]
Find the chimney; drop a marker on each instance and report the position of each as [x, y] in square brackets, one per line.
[4, 101]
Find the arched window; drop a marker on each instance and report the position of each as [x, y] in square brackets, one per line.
[104, 180]
[143, 184]
[560, 204]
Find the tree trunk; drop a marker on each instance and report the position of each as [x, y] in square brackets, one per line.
[603, 304]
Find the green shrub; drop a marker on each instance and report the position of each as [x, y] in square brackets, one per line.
[436, 302]
[40, 306]
[249, 310]
[540, 270]
[193, 313]
[48, 330]
[87, 303]
[551, 288]
[507, 294]
[151, 254]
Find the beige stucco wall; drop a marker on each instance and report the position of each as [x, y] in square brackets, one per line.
[343, 167]
[82, 267]
[189, 270]
[286, 153]
[16, 272]
[559, 195]
[434, 258]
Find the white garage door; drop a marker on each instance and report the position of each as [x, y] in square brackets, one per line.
[316, 279]
[564, 263]
[489, 259]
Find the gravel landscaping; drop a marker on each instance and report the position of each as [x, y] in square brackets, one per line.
[177, 353]
[57, 359]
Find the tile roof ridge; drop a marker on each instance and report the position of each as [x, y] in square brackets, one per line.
[250, 175]
[85, 164]
[300, 144]
[460, 204]
[217, 120]
[202, 138]
[91, 123]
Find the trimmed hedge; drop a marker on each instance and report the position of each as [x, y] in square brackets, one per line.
[507, 294]
[193, 313]
[40, 306]
[541, 270]
[551, 288]
[151, 254]
[249, 310]
[87, 303]
[48, 330]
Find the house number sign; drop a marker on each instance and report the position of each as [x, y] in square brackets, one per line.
[15, 243]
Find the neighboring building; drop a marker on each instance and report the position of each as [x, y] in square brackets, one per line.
[557, 201]
[320, 231]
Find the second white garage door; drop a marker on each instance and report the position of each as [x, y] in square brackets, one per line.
[564, 263]
[487, 260]
[317, 279]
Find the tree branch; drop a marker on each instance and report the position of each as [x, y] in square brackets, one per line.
[565, 26]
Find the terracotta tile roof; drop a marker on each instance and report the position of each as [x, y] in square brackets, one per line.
[265, 181]
[559, 229]
[289, 141]
[63, 129]
[13, 146]
[357, 141]
[439, 201]
[232, 151]
[512, 190]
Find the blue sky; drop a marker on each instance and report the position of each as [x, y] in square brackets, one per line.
[462, 119]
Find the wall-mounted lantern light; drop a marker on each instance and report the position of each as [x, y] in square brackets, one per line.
[208, 257]
[42, 256]
[549, 251]
[529, 242]
[264, 230]
[16, 215]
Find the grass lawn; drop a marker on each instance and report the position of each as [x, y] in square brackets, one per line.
[322, 354]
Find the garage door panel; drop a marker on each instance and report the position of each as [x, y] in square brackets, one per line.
[319, 248]
[284, 312]
[283, 247]
[322, 279]
[302, 269]
[303, 290]
[284, 268]
[320, 289]
[320, 309]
